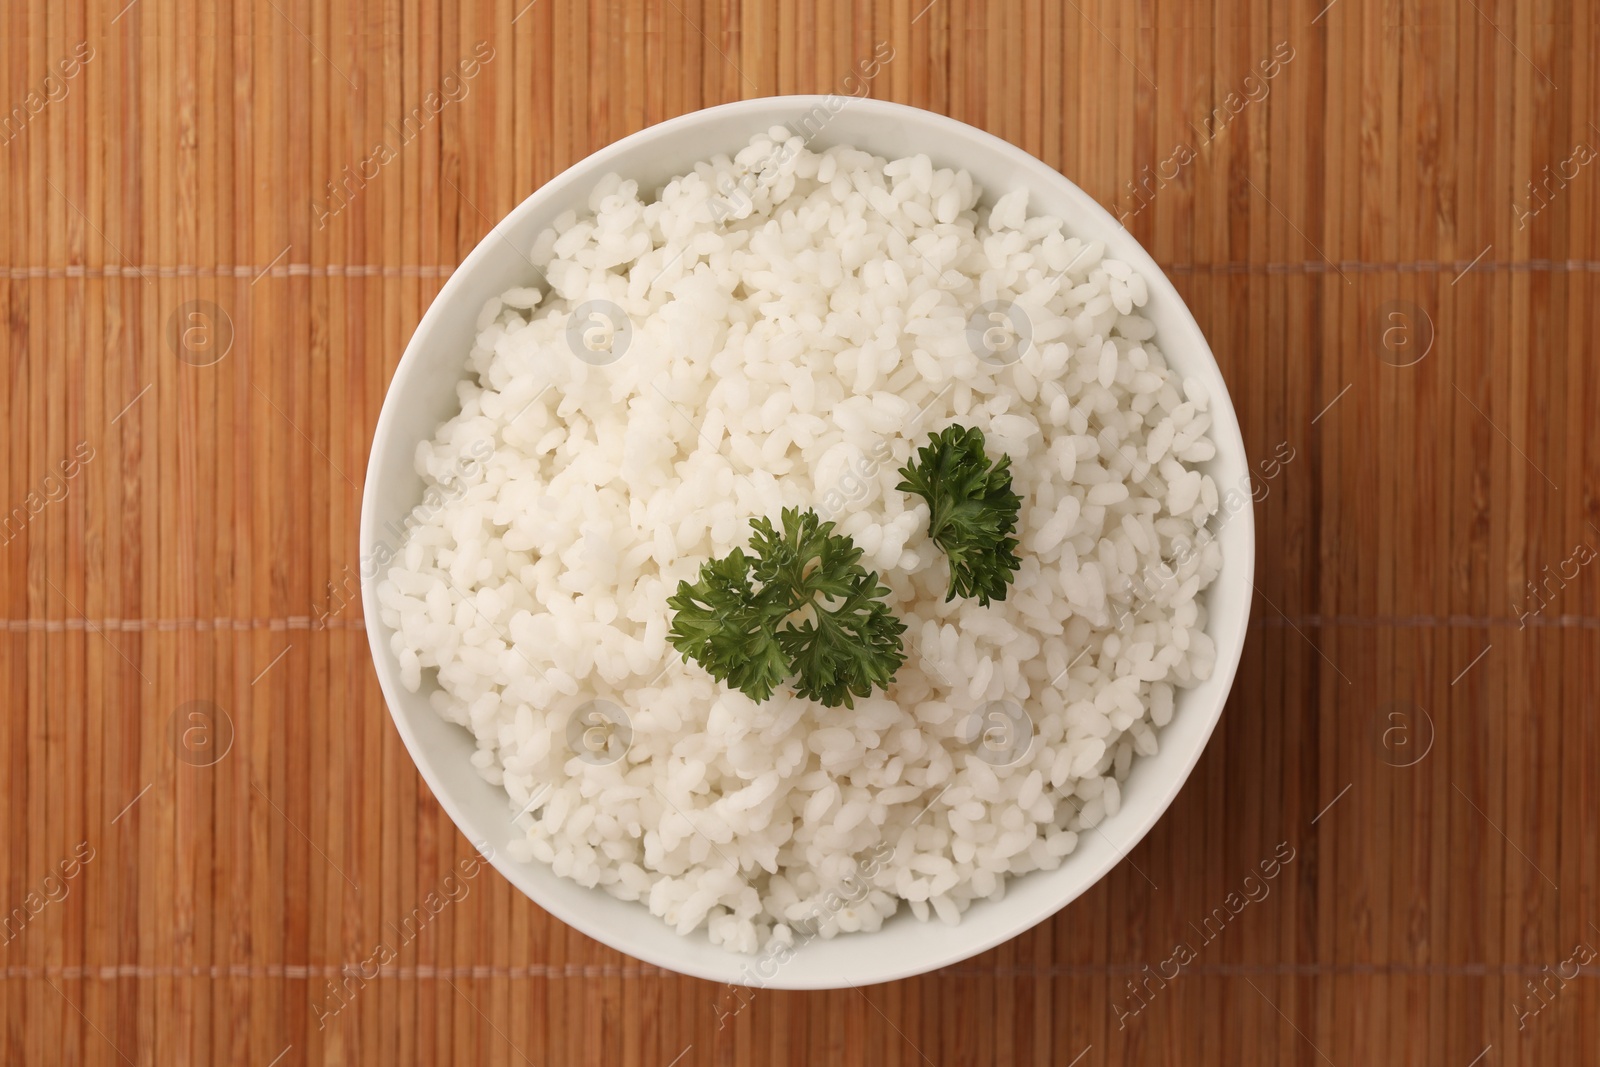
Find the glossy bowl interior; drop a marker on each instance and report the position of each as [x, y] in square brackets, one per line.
[422, 395]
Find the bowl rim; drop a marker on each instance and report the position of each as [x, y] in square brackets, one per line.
[1224, 424]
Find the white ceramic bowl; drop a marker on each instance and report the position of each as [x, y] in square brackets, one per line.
[422, 395]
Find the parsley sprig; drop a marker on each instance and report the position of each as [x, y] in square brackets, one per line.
[972, 511]
[799, 602]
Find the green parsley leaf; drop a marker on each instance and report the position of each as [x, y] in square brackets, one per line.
[800, 602]
[727, 627]
[972, 511]
[850, 640]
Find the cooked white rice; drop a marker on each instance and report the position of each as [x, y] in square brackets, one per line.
[797, 322]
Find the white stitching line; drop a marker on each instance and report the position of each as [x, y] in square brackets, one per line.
[428, 972]
[1317, 266]
[226, 270]
[444, 270]
[420, 972]
[75, 625]
[308, 622]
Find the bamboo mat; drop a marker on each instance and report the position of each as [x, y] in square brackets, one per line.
[208, 817]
